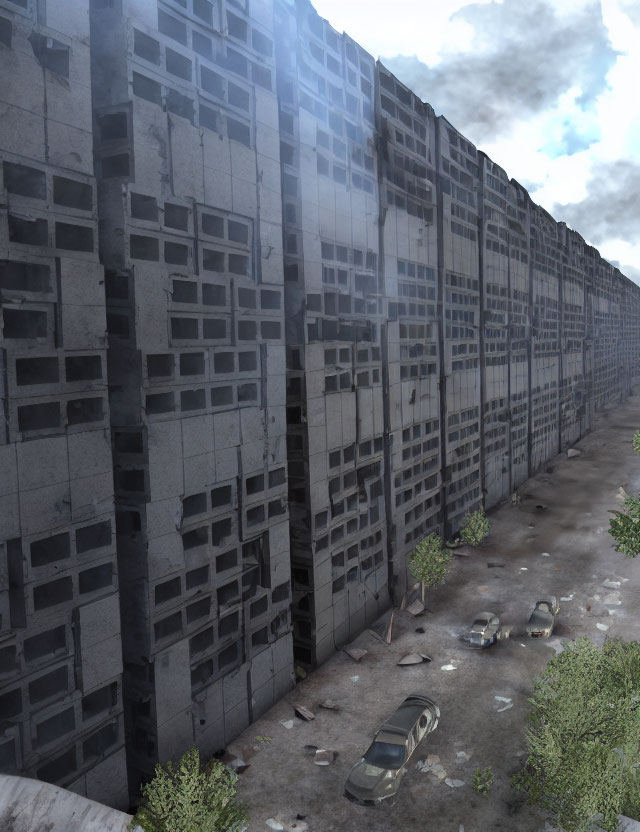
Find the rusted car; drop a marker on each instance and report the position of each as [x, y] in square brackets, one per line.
[484, 630]
[543, 617]
[376, 776]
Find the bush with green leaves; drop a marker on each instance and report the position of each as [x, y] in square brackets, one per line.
[429, 562]
[636, 442]
[624, 527]
[482, 780]
[583, 736]
[190, 797]
[475, 527]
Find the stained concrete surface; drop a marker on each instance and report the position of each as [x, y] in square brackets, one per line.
[482, 694]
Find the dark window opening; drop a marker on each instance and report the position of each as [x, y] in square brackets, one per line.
[100, 701]
[146, 47]
[184, 291]
[166, 591]
[176, 216]
[96, 578]
[80, 411]
[50, 549]
[25, 181]
[36, 371]
[184, 328]
[160, 366]
[178, 65]
[53, 593]
[192, 400]
[93, 537]
[199, 609]
[83, 367]
[52, 684]
[45, 644]
[197, 577]
[113, 126]
[192, 364]
[143, 248]
[72, 193]
[212, 225]
[39, 416]
[74, 237]
[27, 277]
[113, 166]
[28, 232]
[213, 295]
[146, 88]
[180, 105]
[144, 207]
[168, 626]
[195, 538]
[229, 560]
[50, 53]
[57, 769]
[221, 496]
[201, 641]
[99, 742]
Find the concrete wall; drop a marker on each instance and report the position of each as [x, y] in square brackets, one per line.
[60, 658]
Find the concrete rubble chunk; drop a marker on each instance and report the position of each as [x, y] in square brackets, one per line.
[274, 824]
[413, 658]
[287, 723]
[454, 784]
[304, 713]
[324, 758]
[495, 564]
[330, 705]
[572, 452]
[610, 584]
[603, 627]
[356, 653]
[416, 608]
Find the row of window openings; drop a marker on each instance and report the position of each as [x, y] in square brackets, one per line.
[410, 493]
[184, 291]
[145, 207]
[236, 28]
[148, 248]
[34, 231]
[343, 356]
[346, 530]
[183, 329]
[158, 403]
[31, 182]
[416, 512]
[61, 590]
[46, 369]
[352, 575]
[58, 547]
[345, 303]
[193, 363]
[420, 468]
[394, 110]
[47, 415]
[56, 683]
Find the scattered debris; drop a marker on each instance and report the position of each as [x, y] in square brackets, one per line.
[301, 673]
[462, 757]
[622, 494]
[382, 628]
[304, 713]
[556, 644]
[515, 498]
[353, 678]
[390, 628]
[286, 723]
[502, 698]
[567, 597]
[356, 653]
[459, 553]
[455, 784]
[573, 452]
[588, 608]
[507, 700]
[612, 599]
[604, 627]
[420, 630]
[448, 667]
[413, 658]
[324, 757]
[272, 823]
[330, 705]
[483, 588]
[236, 765]
[417, 608]
[494, 564]
[540, 507]
[281, 825]
[546, 555]
[549, 469]
[531, 525]
[522, 645]
[506, 708]
[610, 584]
[524, 569]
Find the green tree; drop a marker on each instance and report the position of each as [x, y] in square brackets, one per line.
[189, 797]
[475, 527]
[429, 562]
[624, 527]
[636, 442]
[583, 735]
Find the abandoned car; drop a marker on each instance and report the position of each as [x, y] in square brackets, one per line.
[484, 631]
[376, 776]
[543, 617]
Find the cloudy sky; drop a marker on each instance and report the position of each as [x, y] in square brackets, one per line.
[547, 88]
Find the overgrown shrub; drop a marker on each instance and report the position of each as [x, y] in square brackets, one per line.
[189, 797]
[429, 562]
[475, 527]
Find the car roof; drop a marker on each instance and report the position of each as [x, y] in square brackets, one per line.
[406, 716]
[485, 614]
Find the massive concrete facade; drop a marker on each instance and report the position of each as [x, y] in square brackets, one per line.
[334, 326]
[60, 655]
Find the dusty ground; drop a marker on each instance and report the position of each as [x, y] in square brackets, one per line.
[282, 781]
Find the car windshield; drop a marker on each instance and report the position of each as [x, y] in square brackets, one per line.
[386, 755]
[480, 622]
